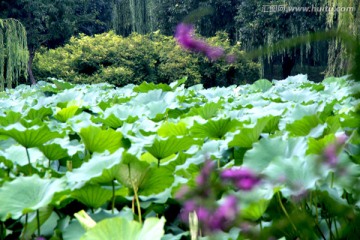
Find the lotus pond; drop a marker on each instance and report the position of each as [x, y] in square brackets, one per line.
[271, 160]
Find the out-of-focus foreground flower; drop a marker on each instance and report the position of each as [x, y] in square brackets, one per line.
[242, 178]
[331, 151]
[185, 37]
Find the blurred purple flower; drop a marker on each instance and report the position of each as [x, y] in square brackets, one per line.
[225, 215]
[330, 155]
[185, 37]
[244, 179]
[332, 150]
[204, 176]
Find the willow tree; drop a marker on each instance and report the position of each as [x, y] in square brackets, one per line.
[13, 52]
[343, 15]
[134, 16]
[260, 25]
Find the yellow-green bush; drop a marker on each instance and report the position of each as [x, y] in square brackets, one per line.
[153, 58]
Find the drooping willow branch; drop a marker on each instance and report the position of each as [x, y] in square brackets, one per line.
[14, 54]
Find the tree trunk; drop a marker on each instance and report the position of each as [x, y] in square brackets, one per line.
[30, 63]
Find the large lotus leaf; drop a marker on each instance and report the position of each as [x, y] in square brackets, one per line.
[255, 210]
[157, 109]
[27, 194]
[268, 149]
[110, 121]
[261, 85]
[209, 110]
[10, 118]
[92, 169]
[40, 113]
[248, 136]
[163, 148]
[178, 83]
[172, 129]
[214, 129]
[62, 85]
[29, 137]
[66, 113]
[93, 196]
[299, 95]
[145, 87]
[122, 229]
[296, 175]
[132, 172]
[308, 125]
[156, 181]
[17, 155]
[53, 151]
[317, 146]
[99, 140]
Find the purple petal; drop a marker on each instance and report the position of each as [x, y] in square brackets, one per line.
[243, 178]
[225, 214]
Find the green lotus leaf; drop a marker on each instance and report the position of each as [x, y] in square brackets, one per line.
[17, 155]
[62, 85]
[209, 110]
[53, 151]
[132, 172]
[305, 126]
[27, 194]
[145, 87]
[214, 129]
[122, 229]
[178, 83]
[172, 129]
[162, 148]
[269, 149]
[261, 85]
[317, 146]
[111, 121]
[30, 137]
[248, 136]
[10, 118]
[156, 181]
[91, 195]
[99, 140]
[40, 113]
[93, 169]
[255, 210]
[66, 113]
[295, 175]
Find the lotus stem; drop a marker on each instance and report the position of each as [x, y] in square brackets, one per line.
[38, 221]
[137, 203]
[285, 212]
[113, 196]
[28, 157]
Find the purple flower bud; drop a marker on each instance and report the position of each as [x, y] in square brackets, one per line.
[243, 179]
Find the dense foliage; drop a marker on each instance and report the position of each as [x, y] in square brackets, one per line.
[153, 57]
[121, 155]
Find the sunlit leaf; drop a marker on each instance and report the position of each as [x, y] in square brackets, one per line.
[27, 194]
[93, 196]
[98, 140]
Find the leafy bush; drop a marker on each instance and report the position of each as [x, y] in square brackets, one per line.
[153, 58]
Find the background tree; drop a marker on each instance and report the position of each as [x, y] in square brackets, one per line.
[13, 52]
[49, 23]
[258, 26]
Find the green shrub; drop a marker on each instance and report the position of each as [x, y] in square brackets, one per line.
[153, 57]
